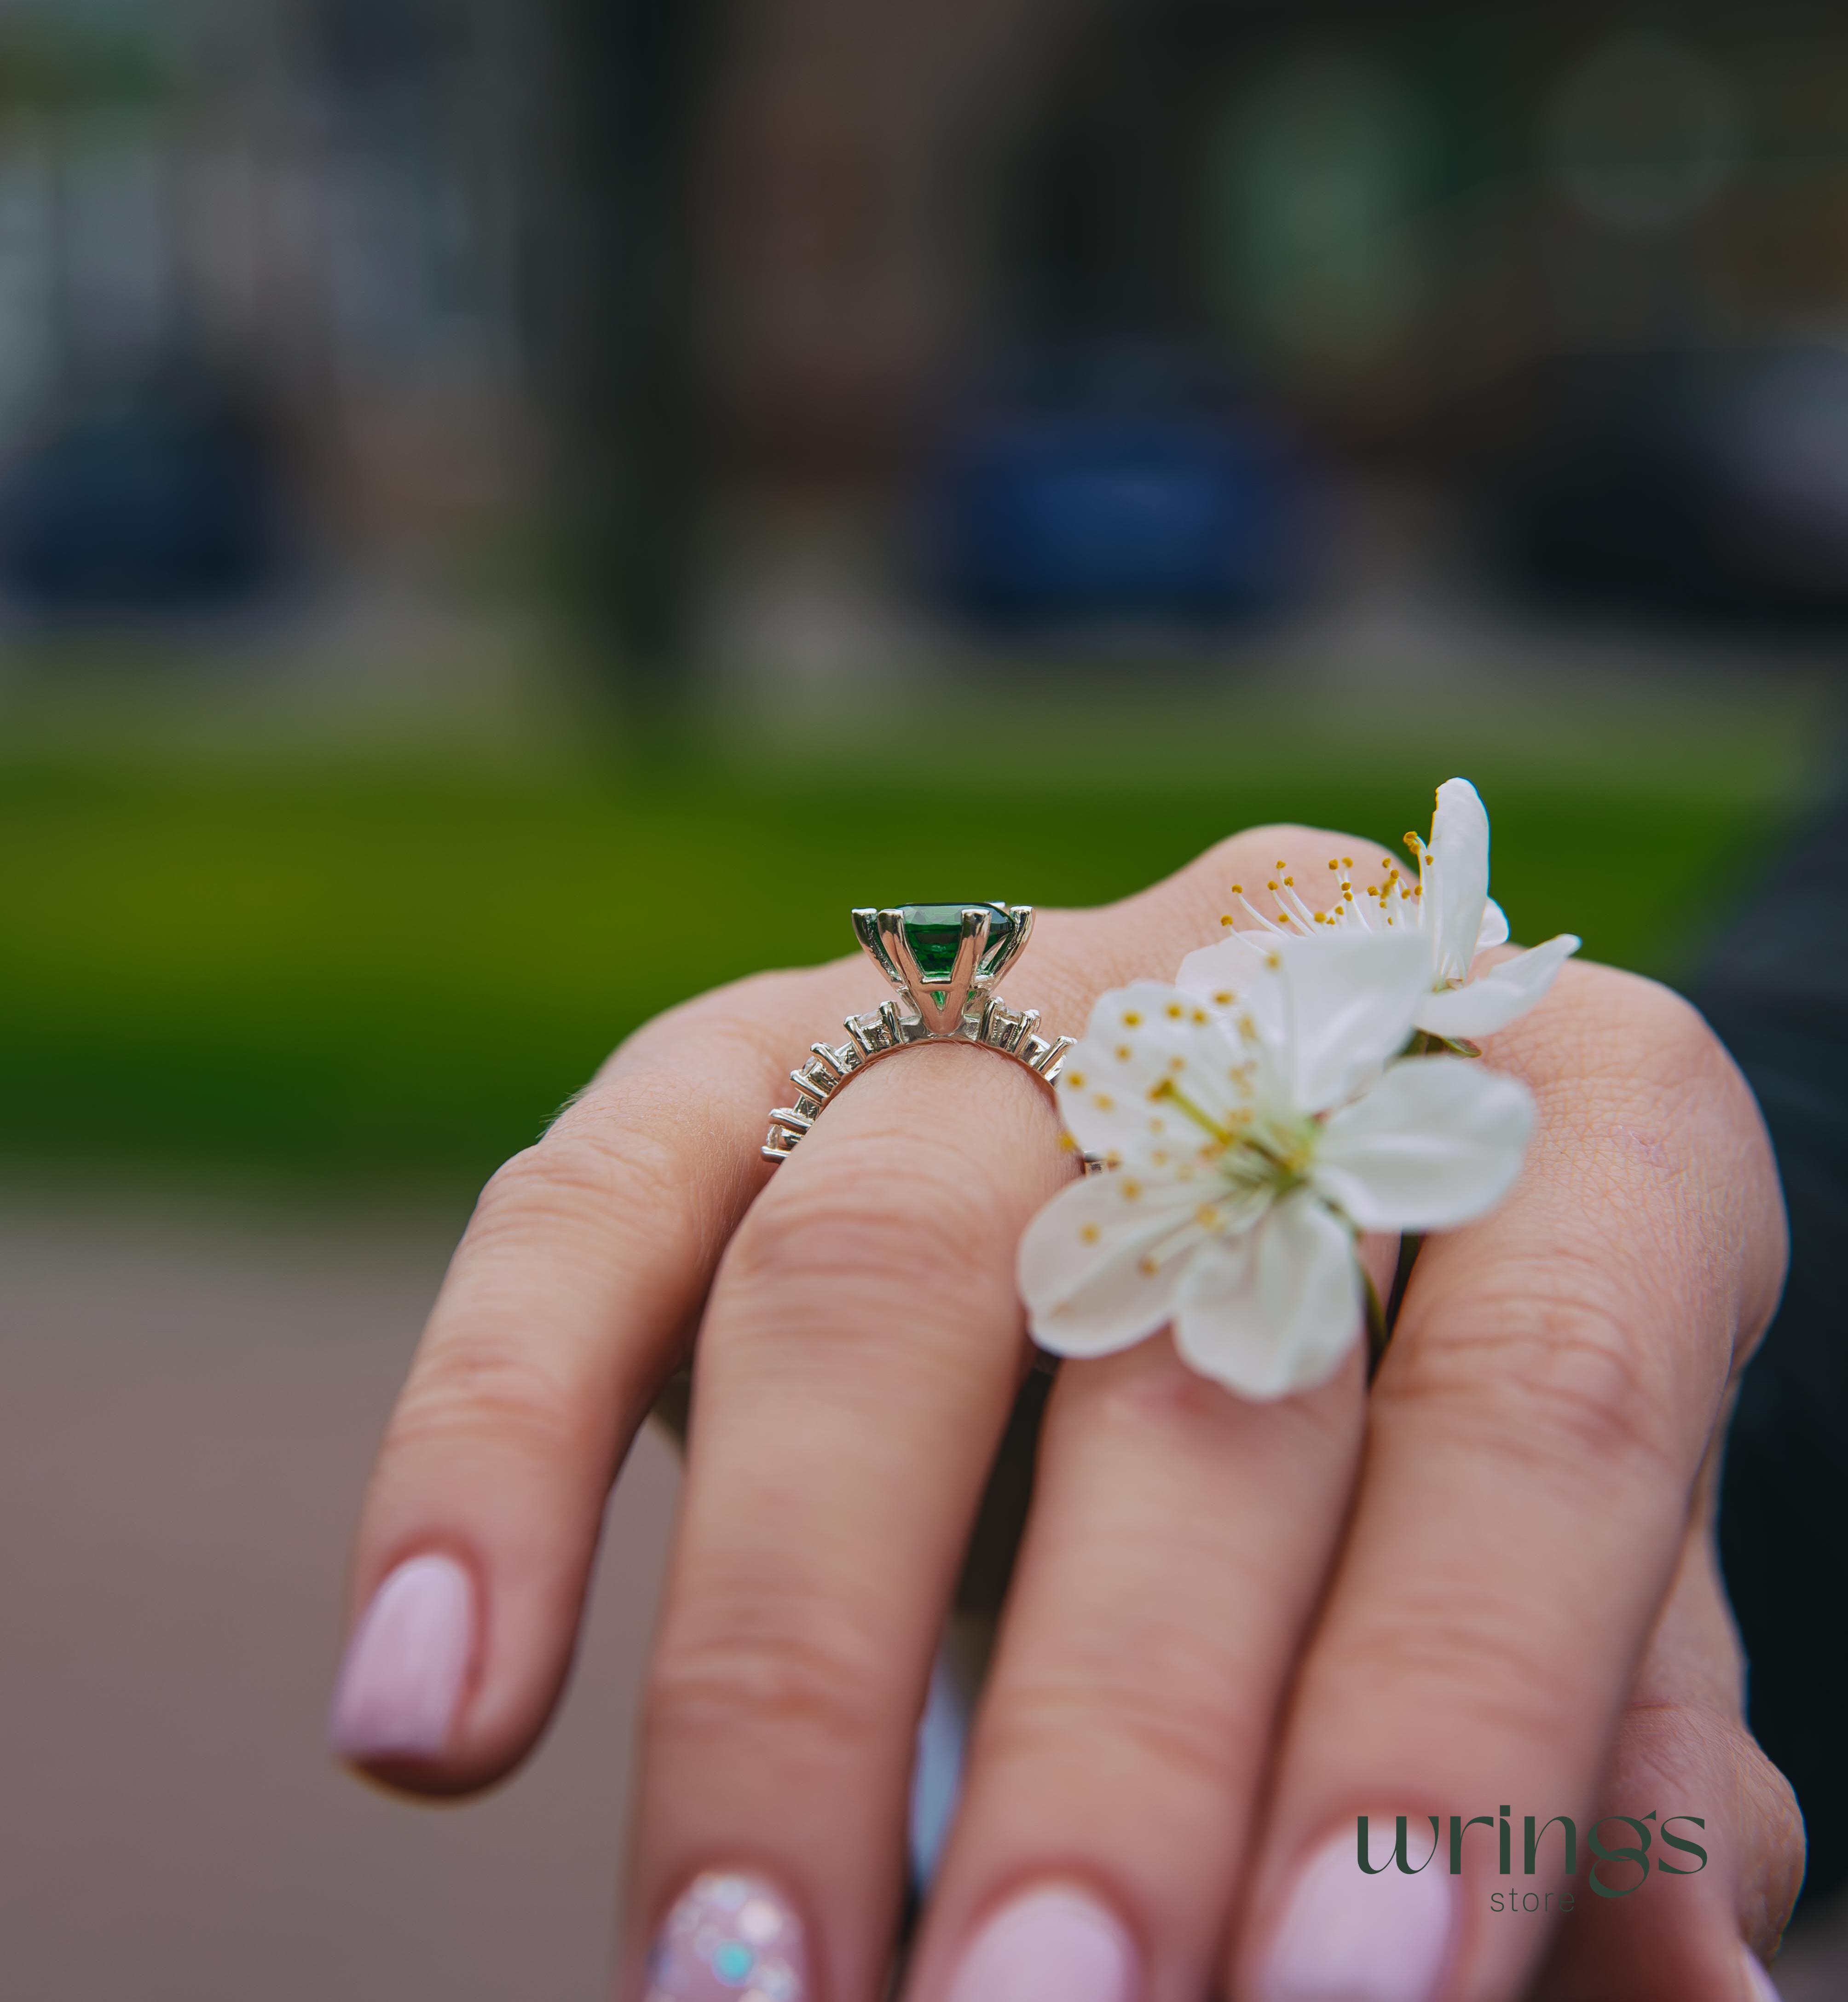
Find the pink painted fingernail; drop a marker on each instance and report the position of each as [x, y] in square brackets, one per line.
[1763, 1990]
[1057, 1941]
[1350, 1938]
[732, 1938]
[407, 1665]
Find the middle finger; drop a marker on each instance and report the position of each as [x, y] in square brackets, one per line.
[1177, 1547]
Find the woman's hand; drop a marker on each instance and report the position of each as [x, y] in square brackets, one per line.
[1233, 1627]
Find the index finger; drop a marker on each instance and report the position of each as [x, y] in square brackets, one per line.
[1534, 1441]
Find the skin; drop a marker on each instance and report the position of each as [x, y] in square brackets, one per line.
[1232, 1626]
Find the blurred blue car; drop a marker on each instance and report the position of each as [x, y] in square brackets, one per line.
[1071, 519]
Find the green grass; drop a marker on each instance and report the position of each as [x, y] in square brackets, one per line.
[359, 971]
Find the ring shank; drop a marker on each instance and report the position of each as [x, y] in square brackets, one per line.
[883, 1032]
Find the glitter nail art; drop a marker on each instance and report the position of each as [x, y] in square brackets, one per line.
[731, 1938]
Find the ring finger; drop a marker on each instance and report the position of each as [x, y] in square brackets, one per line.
[1178, 1541]
[856, 1365]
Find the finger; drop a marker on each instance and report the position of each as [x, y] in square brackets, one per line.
[1684, 1755]
[1551, 1393]
[854, 1368]
[566, 1306]
[1178, 1540]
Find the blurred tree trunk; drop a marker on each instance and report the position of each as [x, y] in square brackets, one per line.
[630, 87]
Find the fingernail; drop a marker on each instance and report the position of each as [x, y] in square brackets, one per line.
[732, 1938]
[1763, 1988]
[1057, 1941]
[1350, 1938]
[402, 1682]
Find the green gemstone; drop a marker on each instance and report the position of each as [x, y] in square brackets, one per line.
[934, 931]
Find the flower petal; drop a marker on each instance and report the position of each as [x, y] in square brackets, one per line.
[1239, 976]
[1500, 995]
[1275, 1311]
[1349, 1000]
[1438, 1141]
[1457, 878]
[1082, 1266]
[1494, 928]
[1140, 1039]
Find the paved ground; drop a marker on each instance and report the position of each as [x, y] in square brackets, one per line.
[187, 1406]
[186, 1414]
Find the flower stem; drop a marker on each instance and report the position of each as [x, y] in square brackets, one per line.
[1410, 1243]
[1379, 1334]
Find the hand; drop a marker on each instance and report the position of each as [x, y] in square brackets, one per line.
[1233, 1626]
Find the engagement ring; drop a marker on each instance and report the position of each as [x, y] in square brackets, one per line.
[943, 960]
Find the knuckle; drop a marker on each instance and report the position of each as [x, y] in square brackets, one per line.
[1545, 1367]
[1687, 1052]
[1470, 1658]
[1185, 1735]
[479, 1389]
[1152, 1400]
[1646, 1003]
[1293, 838]
[817, 1677]
[1681, 1741]
[1652, 1156]
[1781, 1854]
[585, 1171]
[860, 1220]
[1614, 1025]
[1148, 1407]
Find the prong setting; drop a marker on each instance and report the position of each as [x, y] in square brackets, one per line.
[953, 1000]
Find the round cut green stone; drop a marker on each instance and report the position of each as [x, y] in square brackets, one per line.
[934, 931]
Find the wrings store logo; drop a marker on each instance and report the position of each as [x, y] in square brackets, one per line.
[1628, 1863]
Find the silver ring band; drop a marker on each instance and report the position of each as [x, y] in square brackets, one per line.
[943, 960]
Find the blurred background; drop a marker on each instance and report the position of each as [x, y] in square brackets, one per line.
[484, 487]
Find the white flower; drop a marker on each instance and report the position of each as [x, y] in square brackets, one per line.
[1248, 1143]
[1449, 907]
